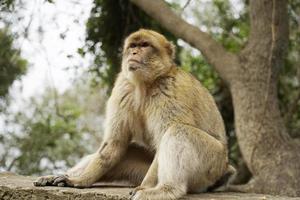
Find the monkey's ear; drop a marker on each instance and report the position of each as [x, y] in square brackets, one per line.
[171, 49]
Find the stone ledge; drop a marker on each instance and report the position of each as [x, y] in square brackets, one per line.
[16, 187]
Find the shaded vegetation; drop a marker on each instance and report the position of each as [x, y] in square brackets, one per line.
[12, 66]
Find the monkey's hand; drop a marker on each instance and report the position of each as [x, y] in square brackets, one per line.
[63, 181]
[52, 180]
[60, 181]
[66, 181]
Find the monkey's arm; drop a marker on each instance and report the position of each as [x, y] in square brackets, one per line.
[113, 148]
[104, 159]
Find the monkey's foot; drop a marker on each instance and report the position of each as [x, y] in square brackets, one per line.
[141, 194]
[135, 190]
[165, 192]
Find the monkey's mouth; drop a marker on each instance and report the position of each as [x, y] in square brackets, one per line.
[134, 64]
[133, 68]
[134, 61]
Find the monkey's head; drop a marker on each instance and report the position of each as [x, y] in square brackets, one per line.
[147, 55]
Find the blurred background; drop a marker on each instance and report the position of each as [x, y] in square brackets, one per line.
[59, 60]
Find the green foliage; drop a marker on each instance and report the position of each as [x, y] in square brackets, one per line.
[52, 131]
[109, 23]
[227, 25]
[289, 80]
[235, 29]
[6, 4]
[12, 66]
[201, 70]
[48, 136]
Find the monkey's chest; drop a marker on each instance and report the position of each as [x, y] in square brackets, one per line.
[151, 120]
[154, 124]
[146, 130]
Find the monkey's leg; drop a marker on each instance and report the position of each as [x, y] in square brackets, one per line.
[189, 159]
[133, 167]
[150, 179]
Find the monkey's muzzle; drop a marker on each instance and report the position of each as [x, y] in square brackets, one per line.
[133, 64]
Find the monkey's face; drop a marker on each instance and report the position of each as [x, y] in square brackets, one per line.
[146, 56]
[138, 55]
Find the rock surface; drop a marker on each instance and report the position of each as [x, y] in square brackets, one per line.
[16, 187]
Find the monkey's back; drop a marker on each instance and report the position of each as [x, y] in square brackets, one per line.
[205, 110]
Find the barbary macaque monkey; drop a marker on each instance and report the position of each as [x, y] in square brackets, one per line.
[163, 129]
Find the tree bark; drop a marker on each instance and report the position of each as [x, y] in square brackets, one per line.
[252, 75]
[270, 154]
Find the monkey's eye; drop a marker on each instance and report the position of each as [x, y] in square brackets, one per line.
[132, 45]
[145, 44]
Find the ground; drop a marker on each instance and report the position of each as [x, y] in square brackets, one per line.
[16, 187]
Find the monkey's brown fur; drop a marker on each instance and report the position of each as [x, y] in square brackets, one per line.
[169, 114]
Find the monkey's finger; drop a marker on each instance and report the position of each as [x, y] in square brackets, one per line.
[63, 181]
[40, 182]
[36, 183]
[59, 179]
[44, 182]
[50, 180]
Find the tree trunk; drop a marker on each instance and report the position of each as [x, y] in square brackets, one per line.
[271, 156]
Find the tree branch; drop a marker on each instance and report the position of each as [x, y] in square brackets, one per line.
[185, 5]
[268, 29]
[224, 62]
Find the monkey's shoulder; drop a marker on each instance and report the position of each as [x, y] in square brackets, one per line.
[179, 84]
